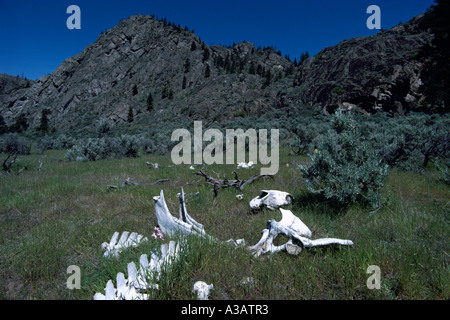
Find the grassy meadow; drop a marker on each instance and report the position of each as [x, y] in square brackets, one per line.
[59, 216]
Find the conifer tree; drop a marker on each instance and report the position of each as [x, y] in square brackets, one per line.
[268, 78]
[43, 126]
[206, 54]
[187, 65]
[303, 57]
[130, 114]
[3, 127]
[252, 69]
[149, 102]
[20, 125]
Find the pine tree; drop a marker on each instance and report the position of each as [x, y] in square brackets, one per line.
[3, 127]
[187, 65]
[149, 102]
[268, 79]
[207, 71]
[165, 92]
[130, 114]
[170, 94]
[193, 46]
[206, 54]
[184, 83]
[20, 125]
[43, 126]
[135, 90]
[303, 57]
[252, 69]
[259, 70]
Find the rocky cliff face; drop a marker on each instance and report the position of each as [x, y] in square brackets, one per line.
[187, 79]
[143, 56]
[375, 73]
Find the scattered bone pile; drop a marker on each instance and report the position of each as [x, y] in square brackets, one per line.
[137, 283]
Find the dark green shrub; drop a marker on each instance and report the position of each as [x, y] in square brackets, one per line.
[127, 146]
[13, 143]
[411, 142]
[344, 167]
[103, 127]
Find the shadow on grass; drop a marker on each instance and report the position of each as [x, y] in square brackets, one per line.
[318, 204]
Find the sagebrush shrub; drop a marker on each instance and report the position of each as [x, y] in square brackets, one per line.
[128, 146]
[411, 142]
[344, 167]
[15, 144]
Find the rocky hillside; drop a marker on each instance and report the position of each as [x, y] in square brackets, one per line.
[140, 57]
[146, 72]
[372, 73]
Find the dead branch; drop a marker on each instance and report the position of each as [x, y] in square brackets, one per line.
[154, 165]
[128, 182]
[225, 183]
[9, 161]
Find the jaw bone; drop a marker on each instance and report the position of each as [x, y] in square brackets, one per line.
[297, 232]
[171, 225]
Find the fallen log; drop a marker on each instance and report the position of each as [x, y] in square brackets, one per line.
[128, 182]
[9, 161]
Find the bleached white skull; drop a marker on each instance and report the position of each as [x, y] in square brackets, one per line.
[272, 199]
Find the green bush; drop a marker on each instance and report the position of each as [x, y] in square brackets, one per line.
[93, 149]
[344, 167]
[411, 142]
[13, 143]
[128, 146]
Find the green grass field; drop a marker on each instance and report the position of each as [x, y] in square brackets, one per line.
[59, 217]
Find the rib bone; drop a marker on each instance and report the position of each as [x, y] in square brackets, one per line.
[138, 280]
[127, 240]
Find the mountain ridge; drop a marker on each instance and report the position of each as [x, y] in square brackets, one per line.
[187, 79]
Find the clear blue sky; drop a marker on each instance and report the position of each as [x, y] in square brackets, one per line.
[34, 39]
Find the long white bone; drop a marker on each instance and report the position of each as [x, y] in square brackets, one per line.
[185, 225]
[171, 225]
[297, 232]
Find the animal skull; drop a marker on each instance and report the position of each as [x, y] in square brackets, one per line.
[272, 199]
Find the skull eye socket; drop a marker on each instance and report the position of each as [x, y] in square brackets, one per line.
[262, 195]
